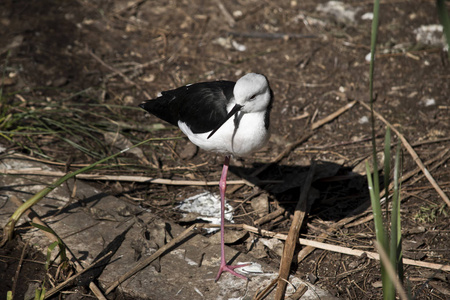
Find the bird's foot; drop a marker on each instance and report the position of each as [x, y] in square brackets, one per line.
[230, 269]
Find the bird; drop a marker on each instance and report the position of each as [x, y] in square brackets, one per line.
[226, 117]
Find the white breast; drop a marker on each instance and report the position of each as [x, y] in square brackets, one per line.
[247, 136]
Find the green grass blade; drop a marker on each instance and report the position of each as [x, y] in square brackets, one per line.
[50, 249]
[59, 242]
[2, 102]
[39, 294]
[445, 21]
[373, 43]
[376, 207]
[374, 185]
[388, 287]
[387, 166]
[396, 255]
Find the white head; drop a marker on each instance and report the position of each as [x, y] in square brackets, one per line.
[252, 92]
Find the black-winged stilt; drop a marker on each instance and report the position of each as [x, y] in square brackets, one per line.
[204, 111]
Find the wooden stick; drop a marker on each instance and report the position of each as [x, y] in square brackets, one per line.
[414, 155]
[444, 158]
[333, 116]
[271, 35]
[264, 293]
[340, 249]
[356, 213]
[299, 292]
[34, 171]
[19, 267]
[230, 20]
[294, 232]
[270, 216]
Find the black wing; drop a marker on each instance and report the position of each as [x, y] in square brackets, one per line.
[202, 106]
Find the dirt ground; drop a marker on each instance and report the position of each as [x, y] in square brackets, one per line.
[78, 69]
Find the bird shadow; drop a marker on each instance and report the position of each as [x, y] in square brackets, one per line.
[335, 193]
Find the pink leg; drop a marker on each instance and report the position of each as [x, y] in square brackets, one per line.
[222, 187]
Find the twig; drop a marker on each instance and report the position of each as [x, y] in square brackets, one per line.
[433, 141]
[151, 258]
[226, 14]
[356, 213]
[442, 154]
[270, 216]
[19, 267]
[294, 232]
[391, 272]
[414, 155]
[123, 178]
[333, 116]
[299, 292]
[272, 35]
[302, 116]
[263, 293]
[50, 162]
[340, 249]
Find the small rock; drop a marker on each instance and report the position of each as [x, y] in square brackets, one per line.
[273, 244]
[377, 284]
[416, 230]
[311, 278]
[357, 262]
[363, 120]
[189, 151]
[128, 100]
[229, 43]
[256, 249]
[148, 78]
[237, 13]
[8, 81]
[189, 217]
[427, 102]
[341, 12]
[367, 16]
[60, 81]
[260, 205]
[75, 296]
[430, 35]
[238, 46]
[252, 268]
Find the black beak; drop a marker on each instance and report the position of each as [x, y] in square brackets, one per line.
[232, 112]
